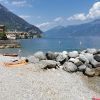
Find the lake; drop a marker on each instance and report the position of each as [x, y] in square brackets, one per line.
[29, 46]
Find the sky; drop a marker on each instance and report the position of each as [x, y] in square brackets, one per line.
[47, 14]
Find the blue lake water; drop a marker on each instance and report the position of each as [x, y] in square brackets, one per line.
[29, 46]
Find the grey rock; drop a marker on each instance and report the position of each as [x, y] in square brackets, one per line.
[91, 59]
[51, 55]
[92, 51]
[97, 71]
[69, 67]
[89, 65]
[83, 58]
[98, 65]
[40, 55]
[97, 58]
[98, 51]
[82, 67]
[76, 61]
[48, 64]
[73, 54]
[88, 58]
[62, 58]
[84, 51]
[65, 53]
[33, 59]
[89, 72]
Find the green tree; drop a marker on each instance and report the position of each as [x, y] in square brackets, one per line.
[3, 36]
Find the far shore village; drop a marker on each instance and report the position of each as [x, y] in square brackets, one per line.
[15, 34]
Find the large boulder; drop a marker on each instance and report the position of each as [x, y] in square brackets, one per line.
[40, 55]
[89, 65]
[73, 54]
[92, 51]
[97, 58]
[98, 65]
[51, 56]
[65, 53]
[69, 67]
[82, 67]
[33, 59]
[62, 58]
[83, 58]
[98, 51]
[84, 51]
[76, 61]
[97, 71]
[89, 72]
[91, 59]
[48, 64]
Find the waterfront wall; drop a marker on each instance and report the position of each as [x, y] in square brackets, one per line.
[9, 44]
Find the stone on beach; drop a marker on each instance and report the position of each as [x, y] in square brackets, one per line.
[82, 68]
[76, 61]
[92, 51]
[65, 53]
[97, 71]
[89, 72]
[83, 58]
[69, 67]
[91, 59]
[97, 58]
[33, 59]
[48, 64]
[73, 54]
[40, 55]
[51, 56]
[62, 58]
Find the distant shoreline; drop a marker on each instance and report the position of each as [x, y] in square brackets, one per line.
[9, 44]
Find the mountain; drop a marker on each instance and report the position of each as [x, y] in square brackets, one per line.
[13, 22]
[87, 29]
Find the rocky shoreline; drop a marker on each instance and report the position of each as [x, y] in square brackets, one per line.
[86, 61]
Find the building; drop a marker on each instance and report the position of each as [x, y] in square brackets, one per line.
[2, 28]
[17, 35]
[11, 36]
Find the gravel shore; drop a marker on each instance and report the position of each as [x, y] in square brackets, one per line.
[30, 83]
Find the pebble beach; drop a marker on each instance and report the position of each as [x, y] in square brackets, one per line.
[31, 82]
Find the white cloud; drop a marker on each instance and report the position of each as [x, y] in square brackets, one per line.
[47, 25]
[58, 19]
[20, 3]
[43, 24]
[80, 16]
[94, 12]
[24, 16]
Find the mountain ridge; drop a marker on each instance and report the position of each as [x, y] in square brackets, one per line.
[14, 22]
[91, 28]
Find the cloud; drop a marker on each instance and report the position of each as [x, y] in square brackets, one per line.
[21, 3]
[18, 3]
[94, 12]
[58, 19]
[47, 25]
[43, 24]
[24, 16]
[80, 16]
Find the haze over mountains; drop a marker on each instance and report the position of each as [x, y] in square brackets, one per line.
[87, 29]
[13, 22]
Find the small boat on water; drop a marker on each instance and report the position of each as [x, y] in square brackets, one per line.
[12, 55]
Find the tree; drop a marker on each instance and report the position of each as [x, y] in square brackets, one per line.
[2, 36]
